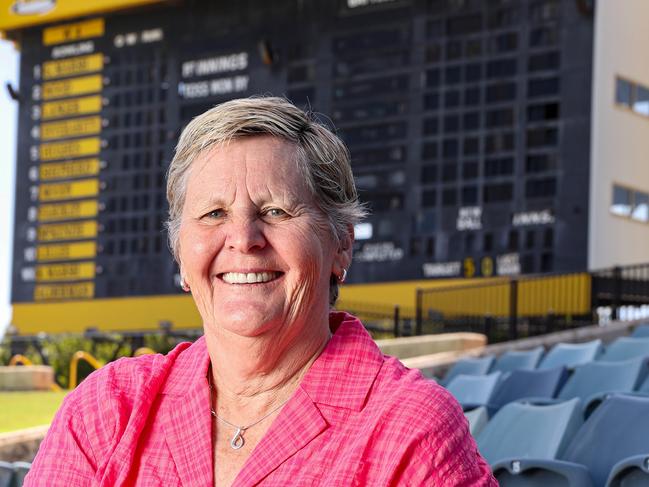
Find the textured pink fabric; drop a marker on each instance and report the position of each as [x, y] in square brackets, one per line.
[357, 418]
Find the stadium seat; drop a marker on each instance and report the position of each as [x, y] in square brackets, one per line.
[630, 472]
[618, 429]
[518, 360]
[570, 355]
[641, 331]
[477, 418]
[20, 472]
[528, 430]
[593, 381]
[625, 348]
[528, 384]
[469, 366]
[6, 474]
[473, 391]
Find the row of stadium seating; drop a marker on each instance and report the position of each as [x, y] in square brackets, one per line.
[578, 416]
[13, 474]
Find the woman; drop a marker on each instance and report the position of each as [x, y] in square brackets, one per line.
[280, 390]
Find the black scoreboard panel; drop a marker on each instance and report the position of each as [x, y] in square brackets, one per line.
[454, 112]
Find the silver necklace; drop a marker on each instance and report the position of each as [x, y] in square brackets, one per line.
[237, 440]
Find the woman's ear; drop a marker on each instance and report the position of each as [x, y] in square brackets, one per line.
[344, 252]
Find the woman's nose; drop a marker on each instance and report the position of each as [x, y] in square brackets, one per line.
[245, 235]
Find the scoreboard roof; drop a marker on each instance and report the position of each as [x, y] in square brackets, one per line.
[18, 14]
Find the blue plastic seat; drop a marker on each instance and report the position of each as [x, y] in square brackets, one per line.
[626, 348]
[527, 384]
[473, 391]
[6, 474]
[570, 355]
[528, 430]
[617, 430]
[469, 366]
[518, 360]
[630, 472]
[20, 472]
[593, 381]
[641, 331]
[477, 419]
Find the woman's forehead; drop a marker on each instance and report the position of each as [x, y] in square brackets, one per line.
[258, 163]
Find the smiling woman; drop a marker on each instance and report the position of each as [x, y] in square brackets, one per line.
[280, 390]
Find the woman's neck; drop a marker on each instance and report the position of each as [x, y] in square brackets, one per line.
[252, 375]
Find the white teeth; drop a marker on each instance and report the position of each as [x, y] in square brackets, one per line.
[248, 278]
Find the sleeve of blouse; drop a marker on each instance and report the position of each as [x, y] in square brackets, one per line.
[65, 457]
[448, 456]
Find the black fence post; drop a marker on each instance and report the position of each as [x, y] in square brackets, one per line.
[489, 327]
[420, 317]
[513, 309]
[396, 321]
[617, 293]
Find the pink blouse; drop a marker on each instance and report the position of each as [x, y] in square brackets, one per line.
[358, 418]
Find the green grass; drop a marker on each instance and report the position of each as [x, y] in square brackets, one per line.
[20, 410]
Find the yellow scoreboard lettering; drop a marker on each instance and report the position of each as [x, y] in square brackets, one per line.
[67, 231]
[71, 107]
[72, 169]
[487, 267]
[73, 148]
[68, 191]
[73, 66]
[72, 87]
[70, 271]
[73, 32]
[51, 292]
[69, 251]
[469, 267]
[68, 211]
[71, 128]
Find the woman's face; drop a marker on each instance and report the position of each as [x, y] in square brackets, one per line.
[254, 248]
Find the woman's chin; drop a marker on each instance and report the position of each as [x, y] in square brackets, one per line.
[247, 322]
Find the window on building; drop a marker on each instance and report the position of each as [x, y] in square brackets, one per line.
[543, 87]
[623, 92]
[544, 36]
[449, 197]
[431, 101]
[487, 242]
[501, 68]
[472, 72]
[449, 172]
[452, 75]
[640, 207]
[469, 170]
[512, 240]
[622, 201]
[541, 163]
[451, 98]
[469, 195]
[471, 97]
[450, 148]
[541, 137]
[641, 101]
[429, 150]
[471, 145]
[544, 61]
[451, 124]
[499, 166]
[429, 198]
[471, 121]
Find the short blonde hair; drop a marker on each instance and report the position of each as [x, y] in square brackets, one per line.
[322, 157]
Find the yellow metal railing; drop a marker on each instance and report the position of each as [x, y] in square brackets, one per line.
[19, 359]
[80, 355]
[143, 351]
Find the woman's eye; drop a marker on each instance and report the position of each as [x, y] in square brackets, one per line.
[275, 212]
[215, 214]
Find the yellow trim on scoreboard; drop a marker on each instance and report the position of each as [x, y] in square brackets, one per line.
[71, 128]
[68, 251]
[71, 107]
[73, 148]
[70, 271]
[72, 87]
[73, 32]
[67, 231]
[72, 169]
[52, 292]
[107, 314]
[68, 191]
[68, 211]
[18, 14]
[73, 66]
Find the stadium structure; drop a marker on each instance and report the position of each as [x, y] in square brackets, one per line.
[489, 138]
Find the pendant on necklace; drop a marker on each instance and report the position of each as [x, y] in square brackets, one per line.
[237, 440]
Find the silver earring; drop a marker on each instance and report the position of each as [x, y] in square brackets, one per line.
[343, 276]
[183, 284]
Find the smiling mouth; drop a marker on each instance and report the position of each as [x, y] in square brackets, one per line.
[249, 277]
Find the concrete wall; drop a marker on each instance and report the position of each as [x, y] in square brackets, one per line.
[620, 137]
